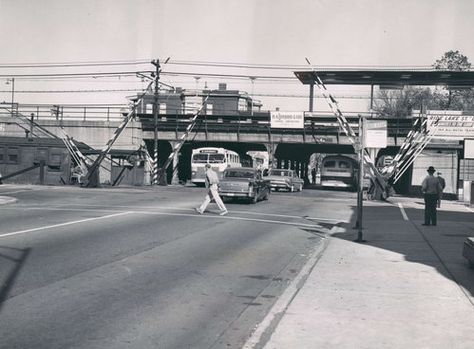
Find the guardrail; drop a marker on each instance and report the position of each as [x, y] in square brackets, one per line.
[69, 112]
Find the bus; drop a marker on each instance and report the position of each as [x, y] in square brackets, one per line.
[219, 158]
[339, 171]
[260, 160]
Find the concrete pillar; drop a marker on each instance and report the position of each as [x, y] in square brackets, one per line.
[271, 149]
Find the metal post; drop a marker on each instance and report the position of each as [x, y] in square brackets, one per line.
[155, 122]
[311, 97]
[32, 118]
[361, 181]
[13, 94]
[371, 98]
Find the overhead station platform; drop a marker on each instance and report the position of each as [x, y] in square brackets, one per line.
[395, 78]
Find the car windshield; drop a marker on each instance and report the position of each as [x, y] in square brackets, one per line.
[279, 173]
[239, 174]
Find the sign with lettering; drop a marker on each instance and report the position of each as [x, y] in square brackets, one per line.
[375, 133]
[450, 124]
[280, 119]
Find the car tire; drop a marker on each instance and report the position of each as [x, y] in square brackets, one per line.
[255, 198]
[267, 195]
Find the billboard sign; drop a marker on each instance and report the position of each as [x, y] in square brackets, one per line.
[280, 119]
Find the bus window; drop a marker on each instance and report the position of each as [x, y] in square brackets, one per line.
[216, 158]
[330, 163]
[200, 158]
[344, 164]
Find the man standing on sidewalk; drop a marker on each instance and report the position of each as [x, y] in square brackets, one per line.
[432, 190]
[212, 183]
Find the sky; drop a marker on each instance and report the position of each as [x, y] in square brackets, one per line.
[278, 34]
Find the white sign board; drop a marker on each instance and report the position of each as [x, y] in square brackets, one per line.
[450, 124]
[469, 149]
[375, 133]
[280, 119]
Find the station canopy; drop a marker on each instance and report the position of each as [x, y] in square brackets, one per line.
[389, 78]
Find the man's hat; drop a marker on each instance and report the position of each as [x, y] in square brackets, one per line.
[431, 169]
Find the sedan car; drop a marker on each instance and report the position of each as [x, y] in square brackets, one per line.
[244, 182]
[284, 179]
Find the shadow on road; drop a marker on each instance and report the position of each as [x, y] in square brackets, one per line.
[13, 260]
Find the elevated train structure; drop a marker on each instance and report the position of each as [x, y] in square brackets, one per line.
[178, 134]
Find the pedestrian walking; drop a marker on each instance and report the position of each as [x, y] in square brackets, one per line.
[313, 175]
[212, 184]
[432, 190]
[443, 185]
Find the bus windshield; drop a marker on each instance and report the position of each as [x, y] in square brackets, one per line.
[216, 158]
[200, 158]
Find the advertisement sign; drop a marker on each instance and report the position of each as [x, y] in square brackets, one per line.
[375, 133]
[450, 124]
[280, 119]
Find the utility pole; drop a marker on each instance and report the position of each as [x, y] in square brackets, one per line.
[156, 108]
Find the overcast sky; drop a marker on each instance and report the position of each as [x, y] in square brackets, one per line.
[372, 33]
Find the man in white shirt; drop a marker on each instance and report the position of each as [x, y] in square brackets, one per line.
[212, 183]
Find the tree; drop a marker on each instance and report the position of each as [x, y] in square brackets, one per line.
[452, 99]
[400, 103]
[452, 60]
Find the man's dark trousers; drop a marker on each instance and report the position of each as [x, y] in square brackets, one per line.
[431, 201]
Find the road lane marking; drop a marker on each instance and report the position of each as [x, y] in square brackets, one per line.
[402, 210]
[231, 218]
[230, 211]
[315, 225]
[63, 224]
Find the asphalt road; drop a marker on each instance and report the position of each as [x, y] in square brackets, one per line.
[138, 268]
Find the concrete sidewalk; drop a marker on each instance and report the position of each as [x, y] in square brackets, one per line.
[408, 286]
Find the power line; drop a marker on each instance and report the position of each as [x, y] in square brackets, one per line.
[72, 64]
[72, 75]
[74, 91]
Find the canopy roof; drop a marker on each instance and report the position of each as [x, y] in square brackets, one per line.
[461, 79]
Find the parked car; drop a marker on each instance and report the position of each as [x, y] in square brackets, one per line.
[284, 179]
[244, 182]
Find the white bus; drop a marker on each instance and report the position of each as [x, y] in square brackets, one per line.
[260, 160]
[219, 158]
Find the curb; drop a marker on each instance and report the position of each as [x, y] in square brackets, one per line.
[258, 338]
